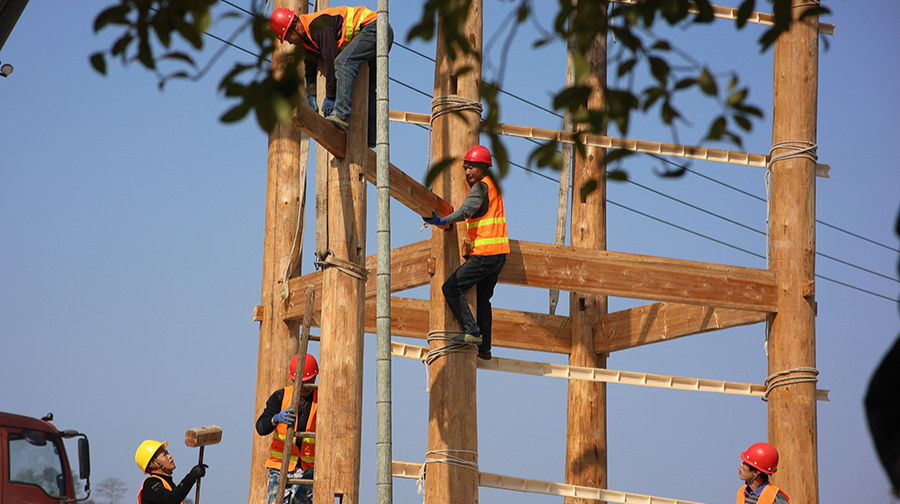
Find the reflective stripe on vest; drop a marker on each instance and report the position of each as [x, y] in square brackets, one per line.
[488, 234]
[306, 452]
[767, 496]
[164, 482]
[354, 20]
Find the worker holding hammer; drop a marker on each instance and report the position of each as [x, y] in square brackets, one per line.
[159, 487]
[276, 417]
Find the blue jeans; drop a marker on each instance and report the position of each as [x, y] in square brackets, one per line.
[362, 49]
[482, 272]
[293, 494]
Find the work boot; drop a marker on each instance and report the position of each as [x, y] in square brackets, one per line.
[467, 339]
[484, 355]
[340, 123]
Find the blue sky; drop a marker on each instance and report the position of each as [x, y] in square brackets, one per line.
[132, 236]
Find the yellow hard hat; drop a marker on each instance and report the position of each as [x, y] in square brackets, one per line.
[147, 451]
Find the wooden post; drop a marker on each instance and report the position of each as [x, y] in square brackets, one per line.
[288, 152]
[792, 248]
[339, 421]
[586, 454]
[452, 418]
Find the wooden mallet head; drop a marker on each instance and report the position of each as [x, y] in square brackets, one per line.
[203, 436]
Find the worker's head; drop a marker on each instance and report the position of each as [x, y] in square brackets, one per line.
[476, 164]
[310, 368]
[760, 460]
[152, 456]
[281, 21]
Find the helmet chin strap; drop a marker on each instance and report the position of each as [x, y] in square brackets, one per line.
[161, 467]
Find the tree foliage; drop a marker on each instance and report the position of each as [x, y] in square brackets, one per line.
[150, 29]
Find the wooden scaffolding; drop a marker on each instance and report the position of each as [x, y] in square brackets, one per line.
[688, 297]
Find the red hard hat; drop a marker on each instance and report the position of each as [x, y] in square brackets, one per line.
[479, 154]
[280, 21]
[310, 369]
[762, 456]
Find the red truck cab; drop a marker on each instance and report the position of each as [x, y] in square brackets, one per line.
[34, 467]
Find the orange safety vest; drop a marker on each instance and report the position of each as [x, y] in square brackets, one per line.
[164, 482]
[487, 234]
[354, 20]
[307, 451]
[766, 497]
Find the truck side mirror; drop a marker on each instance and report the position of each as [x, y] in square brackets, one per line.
[84, 459]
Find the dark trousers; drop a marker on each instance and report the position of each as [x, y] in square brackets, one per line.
[482, 272]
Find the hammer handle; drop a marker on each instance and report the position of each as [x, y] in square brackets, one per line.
[197, 496]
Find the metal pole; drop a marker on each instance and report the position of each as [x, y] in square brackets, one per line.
[384, 455]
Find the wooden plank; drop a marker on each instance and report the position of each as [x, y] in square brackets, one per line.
[409, 269]
[636, 276]
[324, 132]
[410, 193]
[658, 322]
[511, 328]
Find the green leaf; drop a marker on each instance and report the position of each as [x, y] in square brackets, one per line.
[588, 187]
[98, 61]
[236, 113]
[717, 128]
[744, 12]
[685, 83]
[743, 122]
[660, 69]
[180, 56]
[737, 97]
[617, 175]
[708, 83]
[113, 15]
[626, 66]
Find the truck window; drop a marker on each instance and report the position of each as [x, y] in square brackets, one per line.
[40, 466]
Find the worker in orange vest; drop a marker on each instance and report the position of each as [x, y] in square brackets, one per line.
[345, 39]
[757, 463]
[159, 487]
[276, 417]
[487, 248]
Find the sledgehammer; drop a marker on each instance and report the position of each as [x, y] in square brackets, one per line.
[202, 436]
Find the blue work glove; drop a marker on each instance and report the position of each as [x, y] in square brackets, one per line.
[327, 107]
[434, 220]
[312, 103]
[285, 416]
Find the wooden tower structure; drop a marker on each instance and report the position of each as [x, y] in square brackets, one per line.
[686, 297]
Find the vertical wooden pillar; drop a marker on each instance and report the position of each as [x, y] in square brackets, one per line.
[586, 454]
[792, 248]
[288, 150]
[452, 418]
[339, 421]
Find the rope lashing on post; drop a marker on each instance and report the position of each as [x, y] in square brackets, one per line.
[783, 378]
[445, 105]
[795, 149]
[447, 349]
[446, 458]
[343, 265]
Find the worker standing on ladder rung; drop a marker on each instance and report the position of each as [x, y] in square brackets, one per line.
[345, 39]
[486, 250]
[757, 463]
[276, 417]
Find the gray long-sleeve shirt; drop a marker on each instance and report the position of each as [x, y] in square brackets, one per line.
[475, 205]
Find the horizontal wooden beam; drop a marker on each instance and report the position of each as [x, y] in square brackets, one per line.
[640, 277]
[510, 329]
[606, 142]
[664, 321]
[403, 188]
[409, 269]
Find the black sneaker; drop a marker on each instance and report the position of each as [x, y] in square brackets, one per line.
[484, 355]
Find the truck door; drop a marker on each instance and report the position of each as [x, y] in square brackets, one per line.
[34, 470]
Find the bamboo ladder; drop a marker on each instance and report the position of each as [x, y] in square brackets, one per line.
[283, 480]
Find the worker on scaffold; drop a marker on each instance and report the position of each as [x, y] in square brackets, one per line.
[345, 39]
[276, 417]
[159, 488]
[487, 247]
[757, 463]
